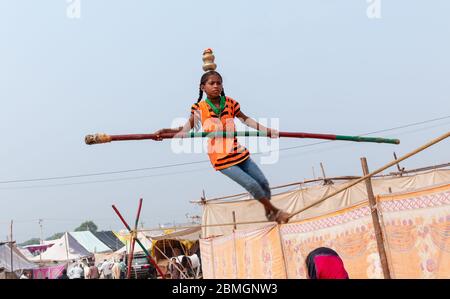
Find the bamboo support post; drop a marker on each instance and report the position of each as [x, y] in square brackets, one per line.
[325, 180]
[181, 271]
[11, 247]
[376, 221]
[135, 239]
[400, 169]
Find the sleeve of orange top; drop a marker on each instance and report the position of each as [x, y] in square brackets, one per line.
[194, 107]
[236, 108]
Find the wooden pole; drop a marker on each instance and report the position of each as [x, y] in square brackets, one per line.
[41, 242]
[376, 221]
[134, 236]
[323, 172]
[168, 258]
[234, 220]
[11, 246]
[400, 169]
[171, 247]
[325, 180]
[40, 226]
[104, 138]
[131, 254]
[203, 199]
[136, 239]
[67, 247]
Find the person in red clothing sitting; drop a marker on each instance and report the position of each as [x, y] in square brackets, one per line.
[325, 263]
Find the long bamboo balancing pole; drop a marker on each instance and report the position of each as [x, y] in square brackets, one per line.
[105, 138]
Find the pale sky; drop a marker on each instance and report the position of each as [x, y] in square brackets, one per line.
[134, 66]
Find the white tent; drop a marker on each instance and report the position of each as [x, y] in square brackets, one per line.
[65, 248]
[19, 261]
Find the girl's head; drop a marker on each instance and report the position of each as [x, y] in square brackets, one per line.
[211, 84]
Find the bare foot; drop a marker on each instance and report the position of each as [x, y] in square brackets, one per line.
[279, 216]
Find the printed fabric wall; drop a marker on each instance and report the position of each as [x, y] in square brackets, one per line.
[244, 254]
[415, 227]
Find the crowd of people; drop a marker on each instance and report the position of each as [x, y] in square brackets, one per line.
[178, 268]
[108, 269]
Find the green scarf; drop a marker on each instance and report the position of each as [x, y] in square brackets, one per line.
[216, 110]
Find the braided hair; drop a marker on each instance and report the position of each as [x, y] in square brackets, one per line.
[203, 81]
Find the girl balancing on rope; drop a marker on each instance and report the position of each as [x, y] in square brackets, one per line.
[216, 114]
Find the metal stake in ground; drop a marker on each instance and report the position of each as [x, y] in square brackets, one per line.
[134, 239]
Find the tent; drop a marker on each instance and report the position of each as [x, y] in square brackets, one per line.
[109, 239]
[65, 248]
[176, 242]
[89, 241]
[20, 263]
